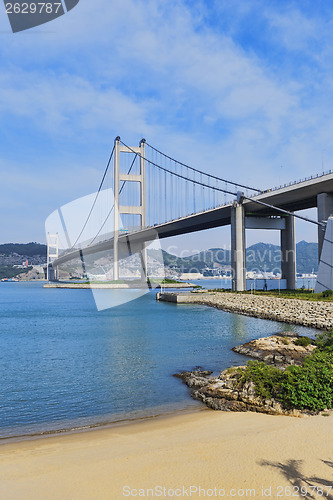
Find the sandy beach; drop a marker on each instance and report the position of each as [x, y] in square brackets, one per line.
[235, 455]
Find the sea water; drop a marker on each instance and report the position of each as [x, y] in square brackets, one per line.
[64, 365]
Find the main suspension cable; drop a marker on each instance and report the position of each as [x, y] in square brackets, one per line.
[94, 203]
[201, 172]
[180, 175]
[282, 210]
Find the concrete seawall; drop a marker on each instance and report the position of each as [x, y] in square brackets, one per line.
[313, 314]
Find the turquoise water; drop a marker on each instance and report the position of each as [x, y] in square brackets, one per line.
[64, 365]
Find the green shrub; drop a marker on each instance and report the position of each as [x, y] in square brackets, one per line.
[266, 378]
[327, 293]
[324, 340]
[303, 341]
[305, 387]
[309, 386]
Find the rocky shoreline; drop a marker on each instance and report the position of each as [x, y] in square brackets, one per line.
[228, 392]
[313, 314]
[279, 350]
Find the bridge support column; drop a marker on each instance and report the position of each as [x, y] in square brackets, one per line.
[324, 210]
[288, 253]
[238, 247]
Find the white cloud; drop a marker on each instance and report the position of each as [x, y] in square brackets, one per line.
[293, 28]
[151, 69]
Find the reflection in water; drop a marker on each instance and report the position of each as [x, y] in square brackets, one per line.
[238, 324]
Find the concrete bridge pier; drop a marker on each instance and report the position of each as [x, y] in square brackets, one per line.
[288, 253]
[324, 210]
[238, 247]
[51, 273]
[52, 254]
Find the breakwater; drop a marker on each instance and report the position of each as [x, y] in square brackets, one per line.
[313, 314]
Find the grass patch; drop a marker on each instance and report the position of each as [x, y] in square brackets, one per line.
[326, 296]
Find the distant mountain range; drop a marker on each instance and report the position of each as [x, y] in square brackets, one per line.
[22, 250]
[14, 254]
[259, 257]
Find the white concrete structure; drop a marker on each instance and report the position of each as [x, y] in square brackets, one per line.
[325, 270]
[324, 210]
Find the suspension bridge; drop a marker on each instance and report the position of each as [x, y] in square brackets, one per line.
[145, 192]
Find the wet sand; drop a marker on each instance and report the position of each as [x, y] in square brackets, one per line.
[236, 453]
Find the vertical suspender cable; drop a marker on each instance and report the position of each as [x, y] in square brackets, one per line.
[194, 198]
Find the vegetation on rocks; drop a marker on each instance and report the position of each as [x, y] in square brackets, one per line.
[308, 386]
[303, 341]
[267, 378]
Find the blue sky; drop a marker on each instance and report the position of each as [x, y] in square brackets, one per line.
[240, 89]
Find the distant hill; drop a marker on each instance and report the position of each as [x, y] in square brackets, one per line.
[13, 254]
[307, 257]
[260, 257]
[25, 249]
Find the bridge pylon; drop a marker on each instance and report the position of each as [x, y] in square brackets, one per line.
[129, 209]
[52, 253]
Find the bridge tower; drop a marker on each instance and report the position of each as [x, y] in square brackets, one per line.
[129, 209]
[52, 253]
